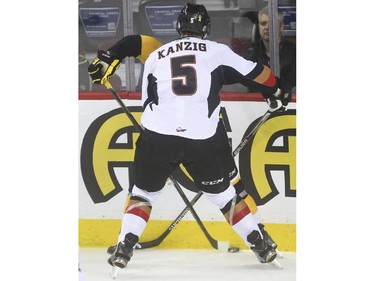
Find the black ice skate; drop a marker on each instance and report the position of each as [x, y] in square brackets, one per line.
[111, 249]
[123, 251]
[264, 252]
[267, 237]
[269, 240]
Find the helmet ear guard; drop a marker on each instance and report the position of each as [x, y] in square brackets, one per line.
[194, 19]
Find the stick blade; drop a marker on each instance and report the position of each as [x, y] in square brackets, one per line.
[223, 246]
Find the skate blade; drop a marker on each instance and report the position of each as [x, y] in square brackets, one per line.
[276, 263]
[114, 272]
[279, 255]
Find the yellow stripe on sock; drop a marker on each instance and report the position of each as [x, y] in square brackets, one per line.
[251, 204]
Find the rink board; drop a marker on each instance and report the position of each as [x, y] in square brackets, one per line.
[105, 168]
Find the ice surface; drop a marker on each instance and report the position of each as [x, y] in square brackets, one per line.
[192, 265]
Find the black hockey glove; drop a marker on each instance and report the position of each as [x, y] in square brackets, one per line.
[285, 98]
[278, 99]
[275, 105]
[285, 95]
[103, 67]
[274, 101]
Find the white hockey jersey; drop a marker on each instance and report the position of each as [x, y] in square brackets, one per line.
[181, 84]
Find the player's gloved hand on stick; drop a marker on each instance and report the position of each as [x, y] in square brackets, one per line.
[275, 105]
[285, 98]
[103, 67]
[283, 95]
[279, 95]
[274, 101]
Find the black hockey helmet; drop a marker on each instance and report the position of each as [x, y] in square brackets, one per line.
[194, 19]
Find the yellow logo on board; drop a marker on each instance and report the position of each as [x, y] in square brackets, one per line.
[271, 155]
[108, 148]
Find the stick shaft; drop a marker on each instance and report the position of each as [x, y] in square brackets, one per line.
[157, 241]
[247, 138]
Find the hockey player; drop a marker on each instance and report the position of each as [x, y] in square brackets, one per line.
[174, 103]
[140, 46]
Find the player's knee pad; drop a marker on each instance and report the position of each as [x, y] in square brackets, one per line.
[221, 199]
[150, 197]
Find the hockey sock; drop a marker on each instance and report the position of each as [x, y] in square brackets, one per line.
[135, 219]
[240, 218]
[253, 207]
[249, 200]
[244, 226]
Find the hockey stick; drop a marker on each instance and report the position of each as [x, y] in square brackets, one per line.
[157, 241]
[247, 138]
[214, 243]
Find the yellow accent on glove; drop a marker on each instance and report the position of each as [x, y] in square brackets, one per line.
[110, 71]
[101, 71]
